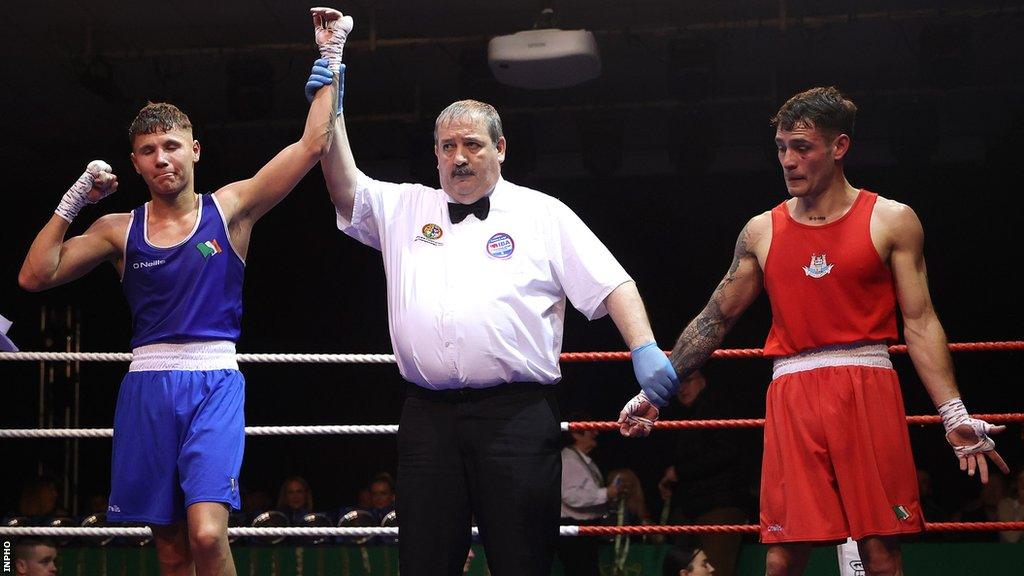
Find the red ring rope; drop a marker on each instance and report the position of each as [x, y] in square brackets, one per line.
[757, 352]
[758, 422]
[753, 528]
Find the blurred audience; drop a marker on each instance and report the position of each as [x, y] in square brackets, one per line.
[98, 504]
[1011, 509]
[632, 495]
[295, 499]
[983, 508]
[255, 501]
[707, 482]
[931, 509]
[364, 499]
[39, 498]
[382, 495]
[585, 498]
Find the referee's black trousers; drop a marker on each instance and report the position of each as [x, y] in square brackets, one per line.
[490, 454]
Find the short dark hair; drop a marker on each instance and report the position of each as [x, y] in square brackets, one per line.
[158, 117]
[23, 546]
[825, 108]
[574, 416]
[678, 558]
[384, 477]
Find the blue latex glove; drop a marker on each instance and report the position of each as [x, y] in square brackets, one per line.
[655, 373]
[321, 76]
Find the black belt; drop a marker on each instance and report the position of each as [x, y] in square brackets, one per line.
[471, 394]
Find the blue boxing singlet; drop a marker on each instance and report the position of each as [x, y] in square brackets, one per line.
[188, 292]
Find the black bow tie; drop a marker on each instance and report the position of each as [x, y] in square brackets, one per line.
[458, 212]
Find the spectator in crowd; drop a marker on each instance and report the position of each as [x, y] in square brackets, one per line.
[34, 557]
[686, 560]
[255, 501]
[364, 499]
[98, 504]
[295, 499]
[585, 498]
[39, 499]
[382, 495]
[983, 508]
[1011, 509]
[633, 496]
[930, 508]
[707, 482]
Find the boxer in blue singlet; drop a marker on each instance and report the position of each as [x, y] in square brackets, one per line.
[178, 424]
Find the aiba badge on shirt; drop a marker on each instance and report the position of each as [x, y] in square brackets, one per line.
[501, 246]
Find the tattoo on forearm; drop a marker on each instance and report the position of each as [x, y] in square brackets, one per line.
[700, 338]
[705, 333]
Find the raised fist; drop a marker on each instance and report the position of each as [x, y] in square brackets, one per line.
[330, 30]
[104, 182]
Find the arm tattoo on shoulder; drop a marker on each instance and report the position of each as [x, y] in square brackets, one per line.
[738, 254]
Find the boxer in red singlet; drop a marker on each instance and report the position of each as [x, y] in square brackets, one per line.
[835, 261]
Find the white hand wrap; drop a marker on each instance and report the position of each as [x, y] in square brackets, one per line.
[332, 49]
[954, 414]
[634, 405]
[78, 195]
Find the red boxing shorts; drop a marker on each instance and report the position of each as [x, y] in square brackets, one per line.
[837, 459]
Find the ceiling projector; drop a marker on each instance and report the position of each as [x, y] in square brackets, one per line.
[545, 58]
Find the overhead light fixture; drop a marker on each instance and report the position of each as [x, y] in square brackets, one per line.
[545, 57]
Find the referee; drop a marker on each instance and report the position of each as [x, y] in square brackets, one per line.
[478, 274]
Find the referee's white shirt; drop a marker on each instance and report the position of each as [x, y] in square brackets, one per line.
[479, 303]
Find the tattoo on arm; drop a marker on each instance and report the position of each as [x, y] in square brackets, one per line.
[705, 333]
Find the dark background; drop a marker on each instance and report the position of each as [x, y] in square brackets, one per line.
[665, 156]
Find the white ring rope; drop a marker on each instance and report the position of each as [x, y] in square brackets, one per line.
[144, 531]
[251, 358]
[364, 429]
[249, 431]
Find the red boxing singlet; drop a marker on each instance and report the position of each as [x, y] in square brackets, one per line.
[827, 284]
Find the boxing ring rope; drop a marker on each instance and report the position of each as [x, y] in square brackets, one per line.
[368, 429]
[144, 532]
[1004, 346]
[302, 531]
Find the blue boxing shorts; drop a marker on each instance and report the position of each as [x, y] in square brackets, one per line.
[178, 440]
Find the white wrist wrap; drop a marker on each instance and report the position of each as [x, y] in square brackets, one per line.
[634, 405]
[76, 197]
[332, 49]
[954, 415]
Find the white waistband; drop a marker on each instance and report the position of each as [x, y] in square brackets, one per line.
[871, 355]
[212, 355]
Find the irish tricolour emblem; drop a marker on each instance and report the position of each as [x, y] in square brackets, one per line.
[819, 266]
[209, 248]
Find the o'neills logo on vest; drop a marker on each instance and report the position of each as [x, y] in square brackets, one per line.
[818, 267]
[150, 264]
